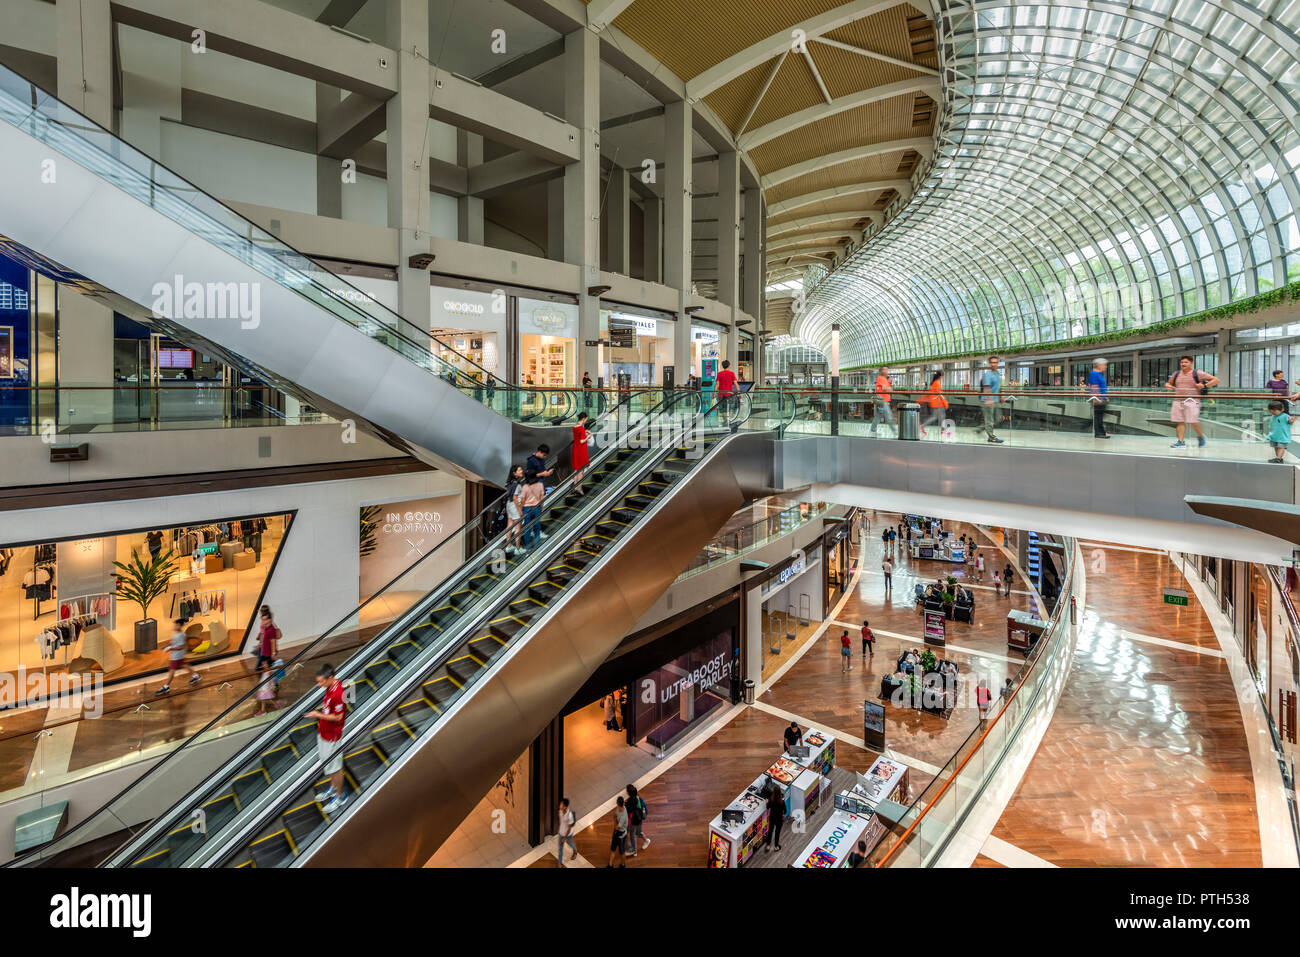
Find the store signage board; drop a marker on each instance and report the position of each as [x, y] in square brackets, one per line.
[622, 338]
[935, 628]
[644, 325]
[1175, 596]
[873, 724]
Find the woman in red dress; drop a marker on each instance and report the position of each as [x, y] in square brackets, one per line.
[579, 455]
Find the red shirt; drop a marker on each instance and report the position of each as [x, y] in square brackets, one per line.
[333, 704]
[726, 382]
[867, 635]
[844, 640]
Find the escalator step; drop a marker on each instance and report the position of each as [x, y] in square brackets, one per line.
[525, 608]
[580, 557]
[183, 840]
[425, 633]
[611, 528]
[561, 574]
[278, 759]
[392, 739]
[486, 648]
[219, 812]
[364, 764]
[362, 689]
[419, 714]
[463, 668]
[639, 501]
[626, 514]
[273, 850]
[507, 627]
[161, 858]
[402, 652]
[544, 591]
[304, 821]
[462, 598]
[381, 671]
[250, 784]
[304, 737]
[441, 692]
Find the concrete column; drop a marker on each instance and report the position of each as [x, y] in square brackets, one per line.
[469, 209]
[582, 185]
[729, 248]
[1223, 368]
[677, 225]
[1022, 549]
[652, 241]
[754, 637]
[84, 48]
[555, 219]
[408, 153]
[329, 172]
[618, 240]
[751, 299]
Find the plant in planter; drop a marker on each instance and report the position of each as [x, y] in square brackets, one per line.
[141, 581]
[929, 662]
[949, 602]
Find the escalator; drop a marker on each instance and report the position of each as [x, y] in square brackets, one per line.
[456, 690]
[154, 247]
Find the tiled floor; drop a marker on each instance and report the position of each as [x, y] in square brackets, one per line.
[598, 763]
[1145, 762]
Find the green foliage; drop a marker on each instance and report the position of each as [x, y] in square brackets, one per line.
[142, 581]
[928, 660]
[1265, 300]
[370, 516]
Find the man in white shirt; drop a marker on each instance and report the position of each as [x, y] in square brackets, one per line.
[888, 568]
[567, 824]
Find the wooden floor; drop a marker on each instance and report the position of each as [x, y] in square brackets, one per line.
[1145, 762]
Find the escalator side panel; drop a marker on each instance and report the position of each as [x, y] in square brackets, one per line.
[443, 775]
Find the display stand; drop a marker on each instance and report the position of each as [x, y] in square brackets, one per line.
[108, 620]
[738, 832]
[1023, 629]
[835, 841]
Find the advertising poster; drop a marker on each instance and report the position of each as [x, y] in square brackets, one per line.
[935, 628]
[6, 352]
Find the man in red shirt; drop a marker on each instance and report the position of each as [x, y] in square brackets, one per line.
[725, 386]
[884, 395]
[329, 737]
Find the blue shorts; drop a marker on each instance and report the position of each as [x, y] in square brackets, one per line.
[845, 651]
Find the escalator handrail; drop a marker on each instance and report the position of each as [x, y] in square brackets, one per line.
[291, 715]
[272, 801]
[304, 654]
[257, 237]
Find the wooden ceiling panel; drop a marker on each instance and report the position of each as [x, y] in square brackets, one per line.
[899, 32]
[847, 223]
[793, 89]
[732, 101]
[884, 120]
[840, 204]
[846, 72]
[690, 36]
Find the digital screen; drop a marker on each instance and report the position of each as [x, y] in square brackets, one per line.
[176, 358]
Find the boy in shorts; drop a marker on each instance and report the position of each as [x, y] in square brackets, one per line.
[177, 649]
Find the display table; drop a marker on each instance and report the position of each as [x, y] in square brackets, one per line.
[804, 795]
[885, 780]
[821, 751]
[732, 843]
[1023, 629]
[832, 844]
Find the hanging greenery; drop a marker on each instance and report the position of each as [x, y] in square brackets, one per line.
[1265, 300]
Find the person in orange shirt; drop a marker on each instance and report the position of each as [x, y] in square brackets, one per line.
[884, 394]
[937, 402]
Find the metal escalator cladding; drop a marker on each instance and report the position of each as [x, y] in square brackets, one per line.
[289, 742]
[289, 831]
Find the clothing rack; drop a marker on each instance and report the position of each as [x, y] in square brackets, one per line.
[208, 602]
[97, 606]
[42, 591]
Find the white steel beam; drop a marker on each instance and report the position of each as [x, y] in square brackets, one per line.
[820, 111]
[601, 13]
[873, 55]
[762, 51]
[850, 216]
[834, 192]
[922, 145]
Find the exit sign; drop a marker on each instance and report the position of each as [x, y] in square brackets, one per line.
[1175, 596]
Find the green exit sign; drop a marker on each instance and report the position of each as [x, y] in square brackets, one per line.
[1175, 596]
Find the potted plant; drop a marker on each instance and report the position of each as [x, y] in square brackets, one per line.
[928, 661]
[949, 601]
[141, 581]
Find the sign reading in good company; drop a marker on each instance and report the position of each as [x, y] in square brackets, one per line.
[548, 318]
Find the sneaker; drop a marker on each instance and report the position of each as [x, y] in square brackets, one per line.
[543, 536]
[1277, 461]
[1200, 441]
[335, 804]
[325, 795]
[163, 690]
[646, 844]
[195, 678]
[1179, 445]
[995, 441]
[1101, 436]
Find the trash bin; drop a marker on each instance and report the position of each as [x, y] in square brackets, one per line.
[909, 421]
[749, 691]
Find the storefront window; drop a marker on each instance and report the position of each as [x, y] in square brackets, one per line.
[64, 610]
[548, 340]
[640, 345]
[706, 351]
[671, 699]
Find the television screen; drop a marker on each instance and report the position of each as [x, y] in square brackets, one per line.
[176, 358]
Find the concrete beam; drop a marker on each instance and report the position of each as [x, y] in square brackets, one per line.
[84, 47]
[601, 13]
[796, 224]
[261, 33]
[829, 238]
[348, 125]
[477, 109]
[509, 171]
[522, 63]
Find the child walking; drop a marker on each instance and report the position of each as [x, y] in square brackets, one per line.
[1279, 430]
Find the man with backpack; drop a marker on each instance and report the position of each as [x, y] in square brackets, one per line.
[568, 821]
[637, 812]
[868, 641]
[1188, 385]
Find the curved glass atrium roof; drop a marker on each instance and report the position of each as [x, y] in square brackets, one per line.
[1098, 166]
